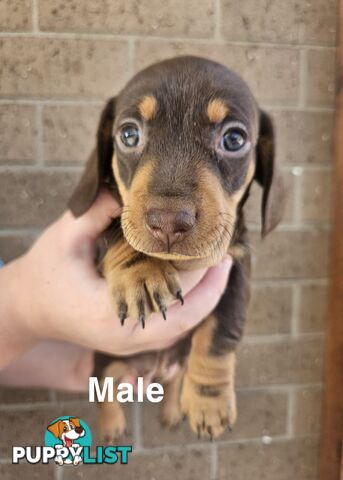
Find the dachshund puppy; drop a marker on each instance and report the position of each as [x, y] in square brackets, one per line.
[179, 148]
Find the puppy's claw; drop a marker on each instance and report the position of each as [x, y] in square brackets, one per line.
[209, 431]
[164, 313]
[180, 297]
[122, 312]
[141, 313]
[161, 305]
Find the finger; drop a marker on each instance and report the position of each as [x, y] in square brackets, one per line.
[202, 300]
[99, 216]
[189, 279]
[199, 302]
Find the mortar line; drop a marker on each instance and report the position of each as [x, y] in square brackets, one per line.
[217, 20]
[58, 472]
[131, 57]
[280, 388]
[270, 282]
[291, 227]
[165, 39]
[280, 337]
[4, 232]
[137, 427]
[205, 445]
[302, 77]
[97, 101]
[35, 17]
[287, 168]
[295, 311]
[39, 138]
[52, 396]
[317, 167]
[290, 413]
[214, 462]
[297, 195]
[40, 168]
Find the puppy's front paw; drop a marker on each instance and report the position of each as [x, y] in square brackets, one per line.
[170, 415]
[112, 423]
[141, 286]
[211, 409]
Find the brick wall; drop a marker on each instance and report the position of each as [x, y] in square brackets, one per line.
[59, 60]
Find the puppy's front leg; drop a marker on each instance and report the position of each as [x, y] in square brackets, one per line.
[111, 415]
[139, 284]
[208, 394]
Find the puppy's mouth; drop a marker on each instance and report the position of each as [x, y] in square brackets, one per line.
[204, 242]
[68, 442]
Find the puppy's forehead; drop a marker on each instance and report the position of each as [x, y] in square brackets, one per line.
[187, 87]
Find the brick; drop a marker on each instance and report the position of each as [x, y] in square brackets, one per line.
[262, 67]
[313, 308]
[278, 21]
[186, 465]
[287, 254]
[11, 246]
[27, 427]
[15, 15]
[316, 195]
[259, 413]
[253, 205]
[169, 18]
[69, 133]
[66, 396]
[320, 86]
[307, 411]
[17, 134]
[303, 137]
[279, 362]
[48, 67]
[33, 199]
[270, 310]
[25, 471]
[281, 460]
[9, 395]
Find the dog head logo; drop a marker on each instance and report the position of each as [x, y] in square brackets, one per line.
[68, 434]
[67, 430]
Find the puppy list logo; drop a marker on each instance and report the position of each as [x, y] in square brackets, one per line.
[68, 441]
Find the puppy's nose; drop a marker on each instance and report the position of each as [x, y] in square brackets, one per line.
[78, 430]
[169, 227]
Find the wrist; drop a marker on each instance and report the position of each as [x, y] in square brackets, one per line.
[17, 334]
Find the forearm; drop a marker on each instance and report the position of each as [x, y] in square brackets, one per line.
[16, 337]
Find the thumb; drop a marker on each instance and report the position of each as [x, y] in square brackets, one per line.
[99, 216]
[204, 297]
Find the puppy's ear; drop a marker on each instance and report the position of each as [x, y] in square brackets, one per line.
[75, 421]
[98, 170]
[268, 176]
[55, 428]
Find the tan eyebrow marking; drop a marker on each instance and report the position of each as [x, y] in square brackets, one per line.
[217, 110]
[148, 107]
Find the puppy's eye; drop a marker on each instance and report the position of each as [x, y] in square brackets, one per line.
[129, 136]
[233, 139]
[65, 429]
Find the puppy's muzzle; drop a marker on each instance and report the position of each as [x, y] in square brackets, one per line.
[169, 227]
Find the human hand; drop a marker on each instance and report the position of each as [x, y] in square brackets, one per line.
[59, 295]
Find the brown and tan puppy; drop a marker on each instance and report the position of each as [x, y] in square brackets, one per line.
[179, 147]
